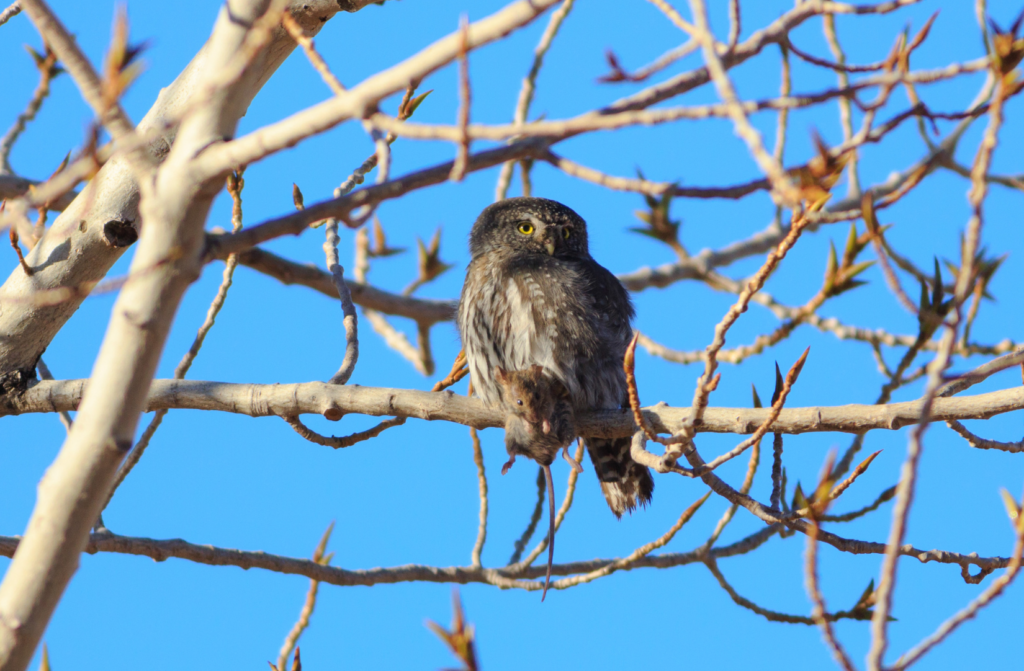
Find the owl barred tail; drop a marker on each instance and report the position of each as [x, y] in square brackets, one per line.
[624, 482]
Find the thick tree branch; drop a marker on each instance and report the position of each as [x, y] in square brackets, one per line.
[97, 227]
[175, 202]
[359, 101]
[261, 400]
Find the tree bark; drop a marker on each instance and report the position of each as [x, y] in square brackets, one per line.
[103, 221]
[263, 400]
[175, 205]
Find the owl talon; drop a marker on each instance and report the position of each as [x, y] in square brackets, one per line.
[572, 462]
[508, 464]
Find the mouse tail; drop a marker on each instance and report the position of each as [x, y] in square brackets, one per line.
[551, 527]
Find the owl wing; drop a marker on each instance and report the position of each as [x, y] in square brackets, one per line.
[612, 314]
[624, 483]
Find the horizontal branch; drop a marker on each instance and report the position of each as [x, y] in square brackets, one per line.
[334, 111]
[423, 310]
[561, 129]
[775, 32]
[220, 245]
[161, 550]
[260, 400]
[427, 311]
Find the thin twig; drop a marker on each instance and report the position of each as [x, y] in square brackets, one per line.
[160, 550]
[778, 473]
[561, 129]
[879, 243]
[708, 380]
[818, 611]
[348, 364]
[340, 441]
[886, 495]
[838, 67]
[394, 339]
[626, 563]
[12, 10]
[481, 534]
[292, 639]
[773, 615]
[901, 510]
[315, 59]
[48, 69]
[657, 65]
[781, 183]
[748, 482]
[777, 404]
[735, 23]
[845, 111]
[459, 370]
[985, 598]
[17, 250]
[984, 443]
[905, 490]
[44, 374]
[235, 184]
[677, 20]
[782, 124]
[465, 98]
[528, 88]
[983, 372]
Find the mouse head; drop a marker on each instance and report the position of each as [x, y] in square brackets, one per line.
[529, 394]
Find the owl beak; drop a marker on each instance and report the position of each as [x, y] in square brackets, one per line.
[550, 246]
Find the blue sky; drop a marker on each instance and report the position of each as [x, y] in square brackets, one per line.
[411, 495]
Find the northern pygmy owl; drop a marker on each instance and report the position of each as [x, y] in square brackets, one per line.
[534, 296]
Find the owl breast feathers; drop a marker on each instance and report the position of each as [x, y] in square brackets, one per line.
[534, 296]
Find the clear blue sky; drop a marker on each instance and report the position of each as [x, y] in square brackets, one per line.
[411, 495]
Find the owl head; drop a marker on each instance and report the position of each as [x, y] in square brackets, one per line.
[532, 225]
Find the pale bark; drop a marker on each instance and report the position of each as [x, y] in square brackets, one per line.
[261, 400]
[95, 229]
[175, 204]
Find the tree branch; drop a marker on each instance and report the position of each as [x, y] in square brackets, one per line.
[97, 227]
[175, 202]
[261, 400]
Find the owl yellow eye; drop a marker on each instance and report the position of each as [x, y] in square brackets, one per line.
[565, 233]
[526, 228]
